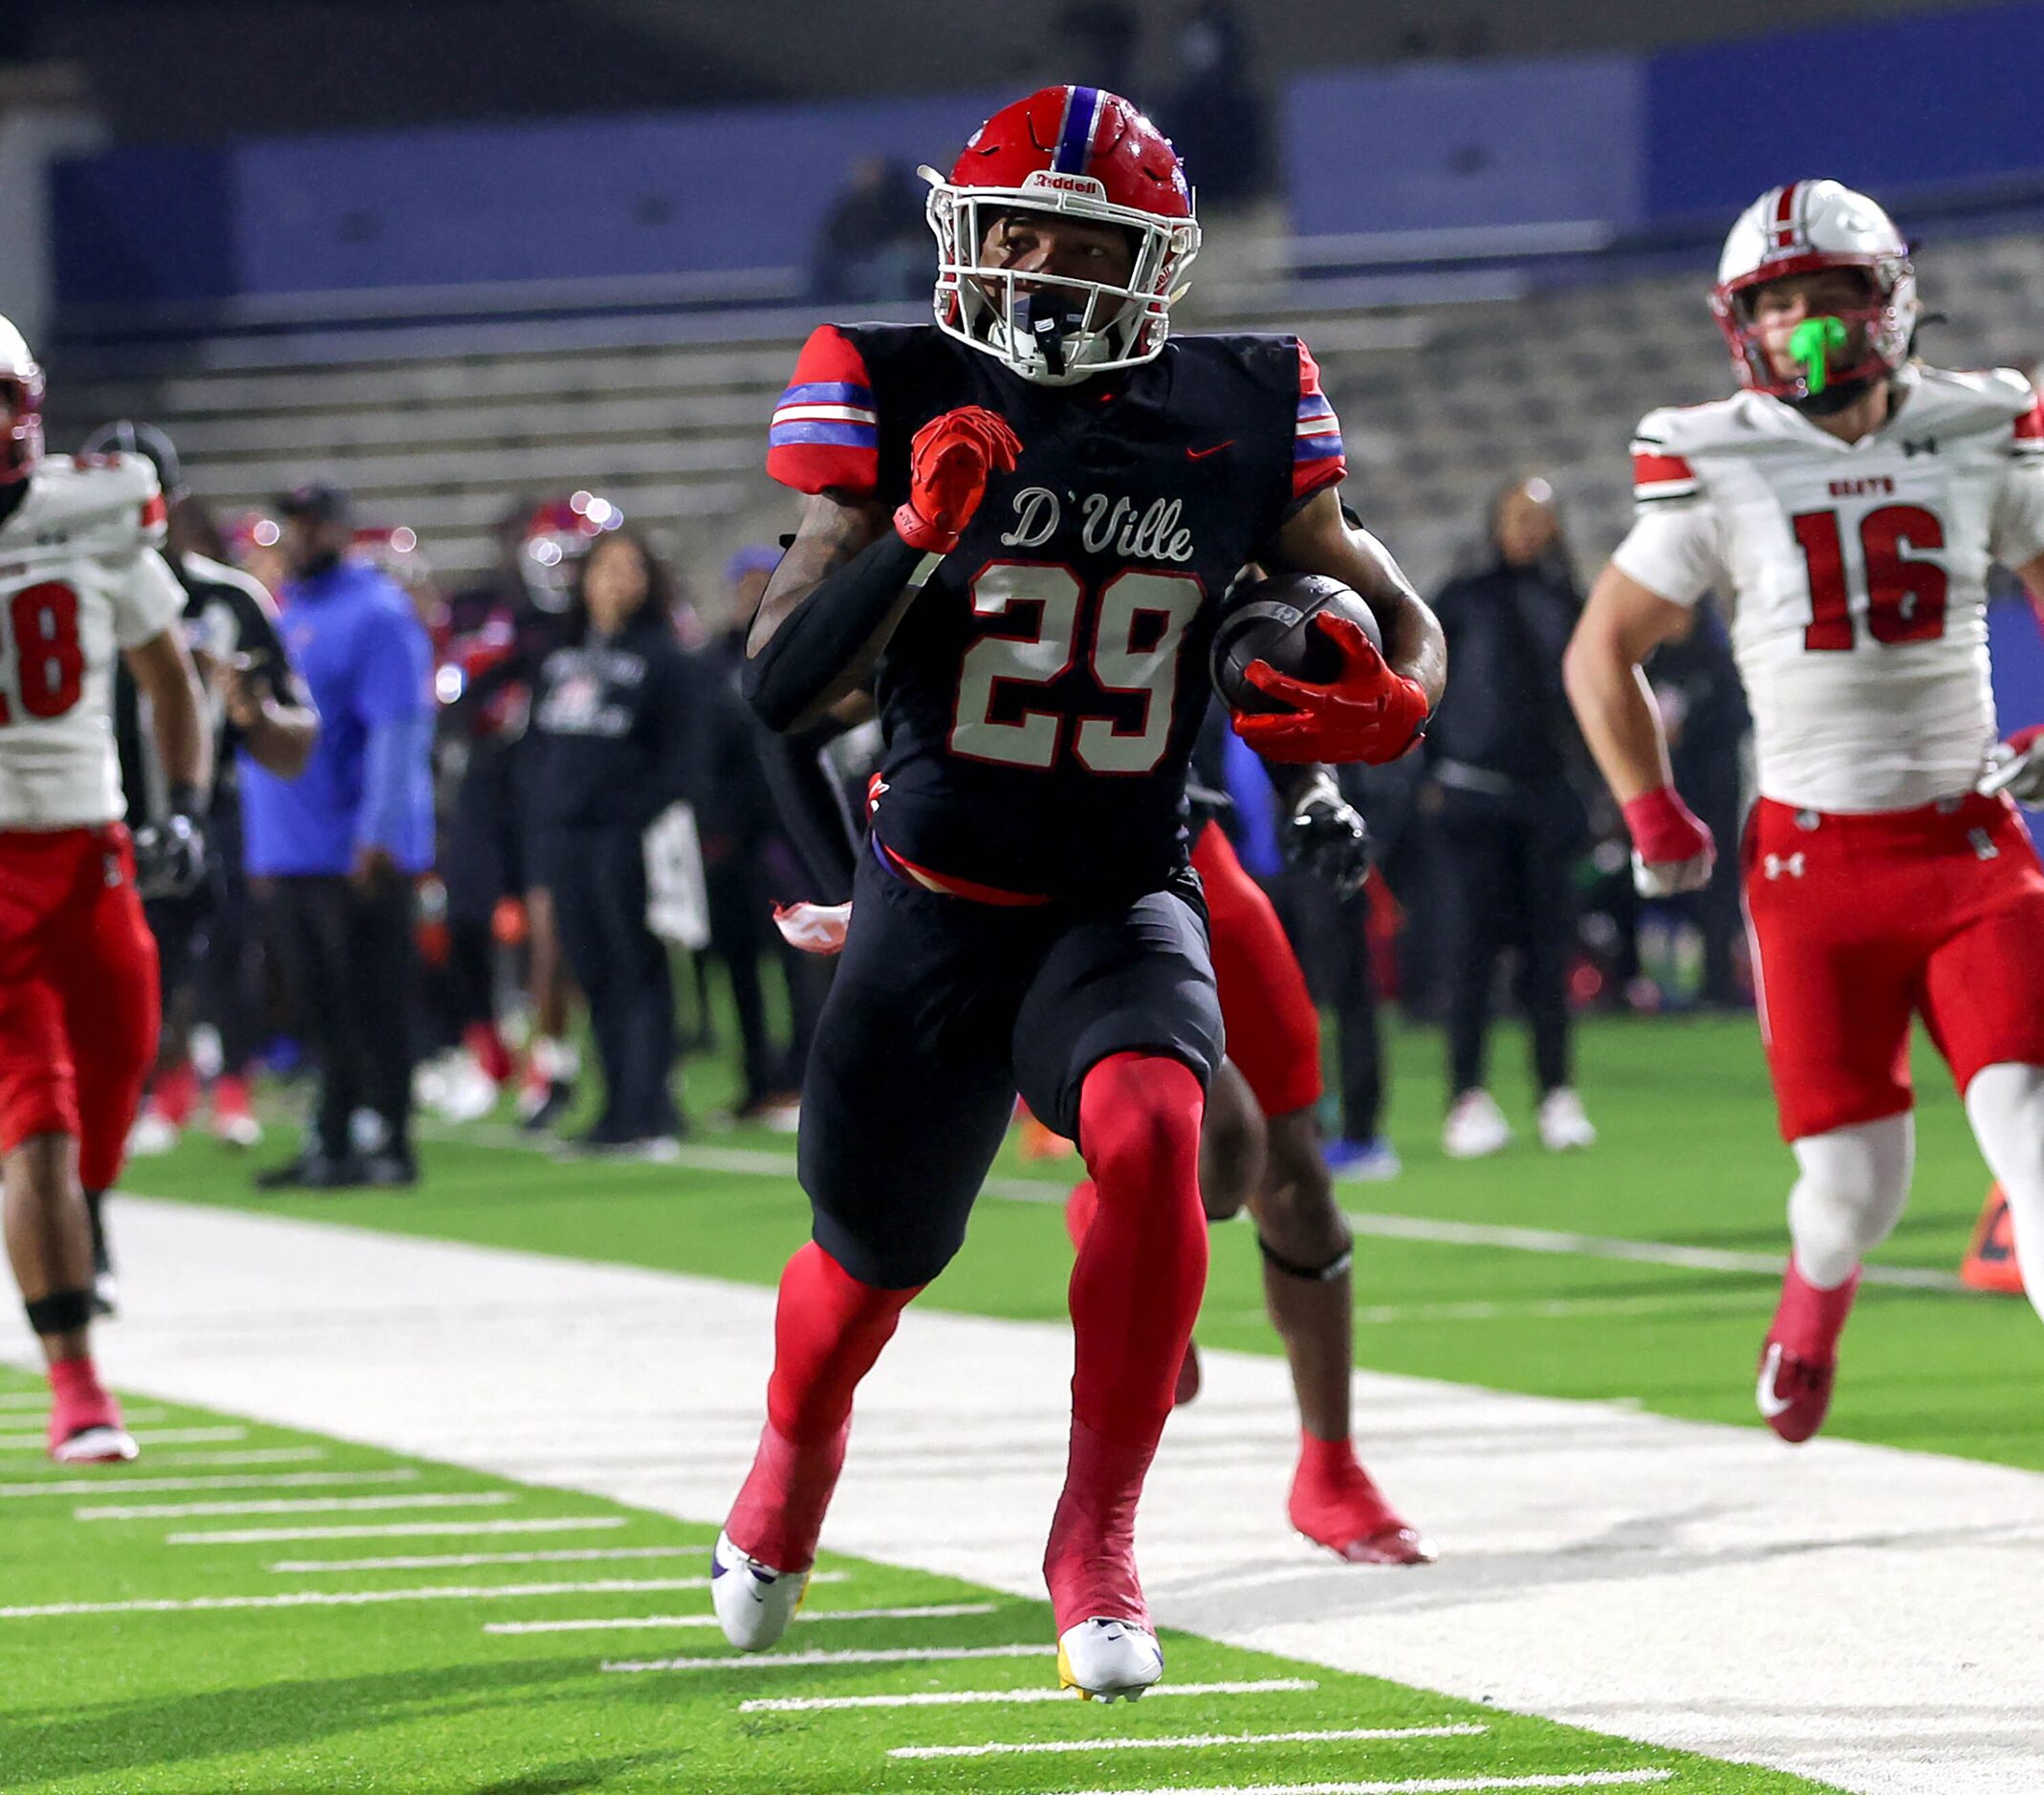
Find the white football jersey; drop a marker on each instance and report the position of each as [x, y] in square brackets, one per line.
[1855, 574]
[81, 579]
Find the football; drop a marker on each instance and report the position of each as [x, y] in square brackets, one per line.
[1272, 620]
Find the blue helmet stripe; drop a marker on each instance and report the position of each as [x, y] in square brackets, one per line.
[1076, 139]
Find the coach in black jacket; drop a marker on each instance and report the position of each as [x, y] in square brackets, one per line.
[1499, 752]
[614, 719]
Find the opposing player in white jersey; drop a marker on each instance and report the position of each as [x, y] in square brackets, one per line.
[79, 580]
[1846, 503]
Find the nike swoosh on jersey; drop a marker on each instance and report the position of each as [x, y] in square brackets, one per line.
[1200, 455]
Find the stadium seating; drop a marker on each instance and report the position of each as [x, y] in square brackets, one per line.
[1440, 402]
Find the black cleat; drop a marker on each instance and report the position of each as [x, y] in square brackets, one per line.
[313, 1171]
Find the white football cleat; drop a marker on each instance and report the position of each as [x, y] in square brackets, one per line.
[1563, 1125]
[754, 1602]
[106, 1443]
[1107, 1659]
[1475, 1128]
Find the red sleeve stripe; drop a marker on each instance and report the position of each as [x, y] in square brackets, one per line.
[825, 429]
[2030, 427]
[155, 513]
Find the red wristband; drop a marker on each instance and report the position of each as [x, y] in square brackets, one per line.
[919, 533]
[1663, 829]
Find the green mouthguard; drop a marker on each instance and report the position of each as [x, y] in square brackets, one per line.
[1811, 343]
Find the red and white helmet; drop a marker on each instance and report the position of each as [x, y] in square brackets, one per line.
[1079, 152]
[1802, 228]
[21, 382]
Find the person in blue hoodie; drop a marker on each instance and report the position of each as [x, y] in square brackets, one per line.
[339, 847]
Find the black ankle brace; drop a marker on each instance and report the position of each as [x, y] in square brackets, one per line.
[61, 1311]
[1335, 1267]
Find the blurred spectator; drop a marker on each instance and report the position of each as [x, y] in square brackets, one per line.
[614, 717]
[1703, 708]
[874, 245]
[747, 865]
[1214, 113]
[1501, 750]
[1100, 38]
[206, 941]
[340, 845]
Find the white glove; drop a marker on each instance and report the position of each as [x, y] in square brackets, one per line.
[1663, 878]
[2016, 767]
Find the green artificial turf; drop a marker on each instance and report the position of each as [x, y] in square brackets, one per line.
[1689, 1155]
[414, 1696]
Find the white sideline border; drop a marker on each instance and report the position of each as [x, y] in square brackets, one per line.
[1002, 1697]
[1546, 1509]
[1192, 1742]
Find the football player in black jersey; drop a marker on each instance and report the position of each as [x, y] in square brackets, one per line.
[1020, 523]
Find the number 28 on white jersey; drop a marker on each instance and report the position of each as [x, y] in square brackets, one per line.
[1856, 573]
[81, 579]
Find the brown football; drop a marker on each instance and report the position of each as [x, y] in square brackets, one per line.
[1272, 620]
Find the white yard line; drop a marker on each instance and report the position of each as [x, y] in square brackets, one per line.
[764, 1162]
[163, 1486]
[144, 1437]
[1004, 1698]
[351, 1598]
[802, 1661]
[1860, 1615]
[1421, 1785]
[633, 1623]
[448, 1560]
[300, 1505]
[1190, 1742]
[398, 1529]
[257, 1454]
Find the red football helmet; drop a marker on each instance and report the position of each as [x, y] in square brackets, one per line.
[557, 537]
[1084, 152]
[21, 386]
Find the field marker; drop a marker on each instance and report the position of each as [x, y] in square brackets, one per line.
[300, 1505]
[1192, 1742]
[351, 1598]
[258, 1454]
[163, 1486]
[428, 1561]
[765, 1163]
[161, 1437]
[973, 1698]
[945, 1611]
[795, 1660]
[395, 1530]
[1422, 1785]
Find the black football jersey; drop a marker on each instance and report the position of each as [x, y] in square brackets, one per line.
[1040, 699]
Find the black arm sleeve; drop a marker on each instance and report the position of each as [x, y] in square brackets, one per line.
[826, 632]
[812, 808]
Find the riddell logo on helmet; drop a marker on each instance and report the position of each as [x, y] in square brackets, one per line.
[1050, 178]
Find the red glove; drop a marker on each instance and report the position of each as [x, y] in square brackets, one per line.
[1367, 712]
[1671, 849]
[948, 463]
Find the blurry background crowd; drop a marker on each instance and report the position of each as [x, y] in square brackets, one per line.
[477, 335]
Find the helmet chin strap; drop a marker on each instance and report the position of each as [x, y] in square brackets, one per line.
[1835, 396]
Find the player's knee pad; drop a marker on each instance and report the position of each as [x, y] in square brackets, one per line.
[1853, 1183]
[1139, 1114]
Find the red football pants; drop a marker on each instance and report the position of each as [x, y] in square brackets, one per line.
[78, 998]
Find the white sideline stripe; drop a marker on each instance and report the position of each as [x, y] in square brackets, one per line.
[259, 1455]
[162, 1437]
[1420, 1784]
[163, 1486]
[351, 1598]
[34, 1401]
[428, 1561]
[624, 1623]
[298, 1505]
[1640, 1253]
[395, 1530]
[763, 1162]
[1192, 1742]
[973, 1698]
[795, 1660]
